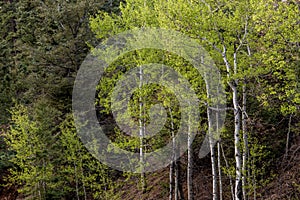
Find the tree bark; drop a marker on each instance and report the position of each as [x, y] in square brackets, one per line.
[212, 155]
[220, 172]
[237, 121]
[245, 141]
[172, 165]
[219, 154]
[288, 137]
[171, 181]
[141, 134]
[190, 165]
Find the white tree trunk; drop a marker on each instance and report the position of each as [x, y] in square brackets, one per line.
[212, 155]
[172, 165]
[141, 134]
[220, 172]
[288, 137]
[237, 122]
[190, 171]
[171, 181]
[190, 165]
[176, 189]
[245, 141]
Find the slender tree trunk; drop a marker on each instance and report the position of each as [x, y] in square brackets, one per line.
[176, 189]
[245, 141]
[39, 191]
[190, 165]
[190, 172]
[141, 134]
[171, 181]
[220, 172]
[288, 137]
[212, 155]
[237, 127]
[214, 173]
[237, 118]
[43, 180]
[178, 186]
[219, 150]
[230, 178]
[76, 182]
[172, 166]
[237, 121]
[84, 192]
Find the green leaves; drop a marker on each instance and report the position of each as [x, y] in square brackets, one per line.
[78, 169]
[43, 43]
[24, 139]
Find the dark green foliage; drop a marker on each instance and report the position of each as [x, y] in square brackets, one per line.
[42, 46]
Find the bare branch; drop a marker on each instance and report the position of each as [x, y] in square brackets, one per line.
[217, 109]
[244, 36]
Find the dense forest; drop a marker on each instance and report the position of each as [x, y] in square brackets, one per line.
[216, 82]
